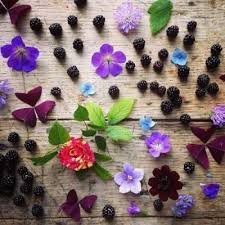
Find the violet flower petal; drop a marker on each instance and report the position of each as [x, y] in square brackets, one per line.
[6, 51]
[72, 210]
[103, 70]
[106, 49]
[18, 41]
[202, 134]
[15, 62]
[29, 65]
[135, 187]
[119, 178]
[210, 190]
[44, 109]
[115, 69]
[33, 52]
[88, 202]
[119, 57]
[97, 59]
[133, 209]
[16, 12]
[124, 187]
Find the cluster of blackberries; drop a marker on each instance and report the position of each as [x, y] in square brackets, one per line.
[204, 85]
[155, 87]
[213, 61]
[175, 100]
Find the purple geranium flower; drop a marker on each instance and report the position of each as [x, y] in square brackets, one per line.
[218, 115]
[128, 16]
[133, 209]
[210, 190]
[5, 90]
[158, 143]
[108, 61]
[21, 58]
[129, 179]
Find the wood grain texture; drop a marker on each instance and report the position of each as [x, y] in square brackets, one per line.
[210, 16]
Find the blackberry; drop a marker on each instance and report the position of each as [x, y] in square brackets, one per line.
[56, 91]
[26, 188]
[191, 26]
[22, 170]
[13, 138]
[163, 54]
[145, 60]
[185, 119]
[73, 72]
[161, 91]
[12, 157]
[203, 80]
[72, 20]
[139, 44]
[60, 53]
[114, 92]
[158, 66]
[108, 212]
[200, 93]
[166, 107]
[2, 161]
[172, 31]
[154, 86]
[216, 49]
[177, 102]
[36, 24]
[142, 85]
[8, 181]
[78, 44]
[80, 3]
[19, 200]
[183, 72]
[99, 21]
[189, 39]
[38, 191]
[189, 167]
[158, 205]
[212, 62]
[28, 177]
[173, 92]
[37, 210]
[130, 66]
[56, 29]
[213, 88]
[30, 145]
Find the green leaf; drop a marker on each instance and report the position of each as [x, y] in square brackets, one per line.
[81, 113]
[41, 160]
[100, 142]
[95, 114]
[88, 133]
[102, 172]
[102, 157]
[58, 134]
[161, 11]
[82, 174]
[119, 133]
[120, 110]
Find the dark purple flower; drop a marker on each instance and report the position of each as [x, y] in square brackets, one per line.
[133, 209]
[218, 115]
[107, 61]
[210, 190]
[21, 58]
[5, 90]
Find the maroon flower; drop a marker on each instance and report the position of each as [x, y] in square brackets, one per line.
[165, 183]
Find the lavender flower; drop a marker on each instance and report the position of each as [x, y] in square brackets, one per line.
[183, 205]
[129, 179]
[108, 61]
[210, 190]
[158, 143]
[5, 90]
[87, 89]
[133, 209]
[179, 57]
[146, 123]
[218, 115]
[21, 58]
[128, 17]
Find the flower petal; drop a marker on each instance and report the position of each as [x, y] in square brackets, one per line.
[6, 51]
[119, 178]
[153, 191]
[97, 59]
[103, 70]
[15, 62]
[135, 187]
[152, 182]
[163, 196]
[115, 69]
[179, 57]
[138, 174]
[18, 41]
[106, 49]
[119, 57]
[124, 188]
[32, 52]
[173, 195]
[28, 65]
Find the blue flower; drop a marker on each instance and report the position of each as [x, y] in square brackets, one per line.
[87, 89]
[146, 123]
[210, 190]
[179, 57]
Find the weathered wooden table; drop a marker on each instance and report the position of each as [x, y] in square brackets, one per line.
[209, 14]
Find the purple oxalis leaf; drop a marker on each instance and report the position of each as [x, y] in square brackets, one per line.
[72, 210]
[16, 12]
[217, 143]
[7, 5]
[27, 115]
[216, 154]
[72, 197]
[88, 202]
[198, 152]
[44, 109]
[222, 77]
[202, 134]
[31, 97]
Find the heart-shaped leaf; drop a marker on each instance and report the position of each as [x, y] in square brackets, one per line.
[41, 160]
[100, 142]
[88, 133]
[119, 133]
[202, 134]
[101, 172]
[81, 113]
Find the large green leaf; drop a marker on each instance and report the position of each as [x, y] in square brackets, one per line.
[119, 133]
[95, 114]
[101, 172]
[58, 134]
[102, 157]
[100, 142]
[120, 110]
[160, 13]
[88, 132]
[81, 113]
[41, 160]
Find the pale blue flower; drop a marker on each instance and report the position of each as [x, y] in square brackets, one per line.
[87, 89]
[179, 57]
[146, 123]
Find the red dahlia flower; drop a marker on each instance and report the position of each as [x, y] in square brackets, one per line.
[76, 154]
[165, 183]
